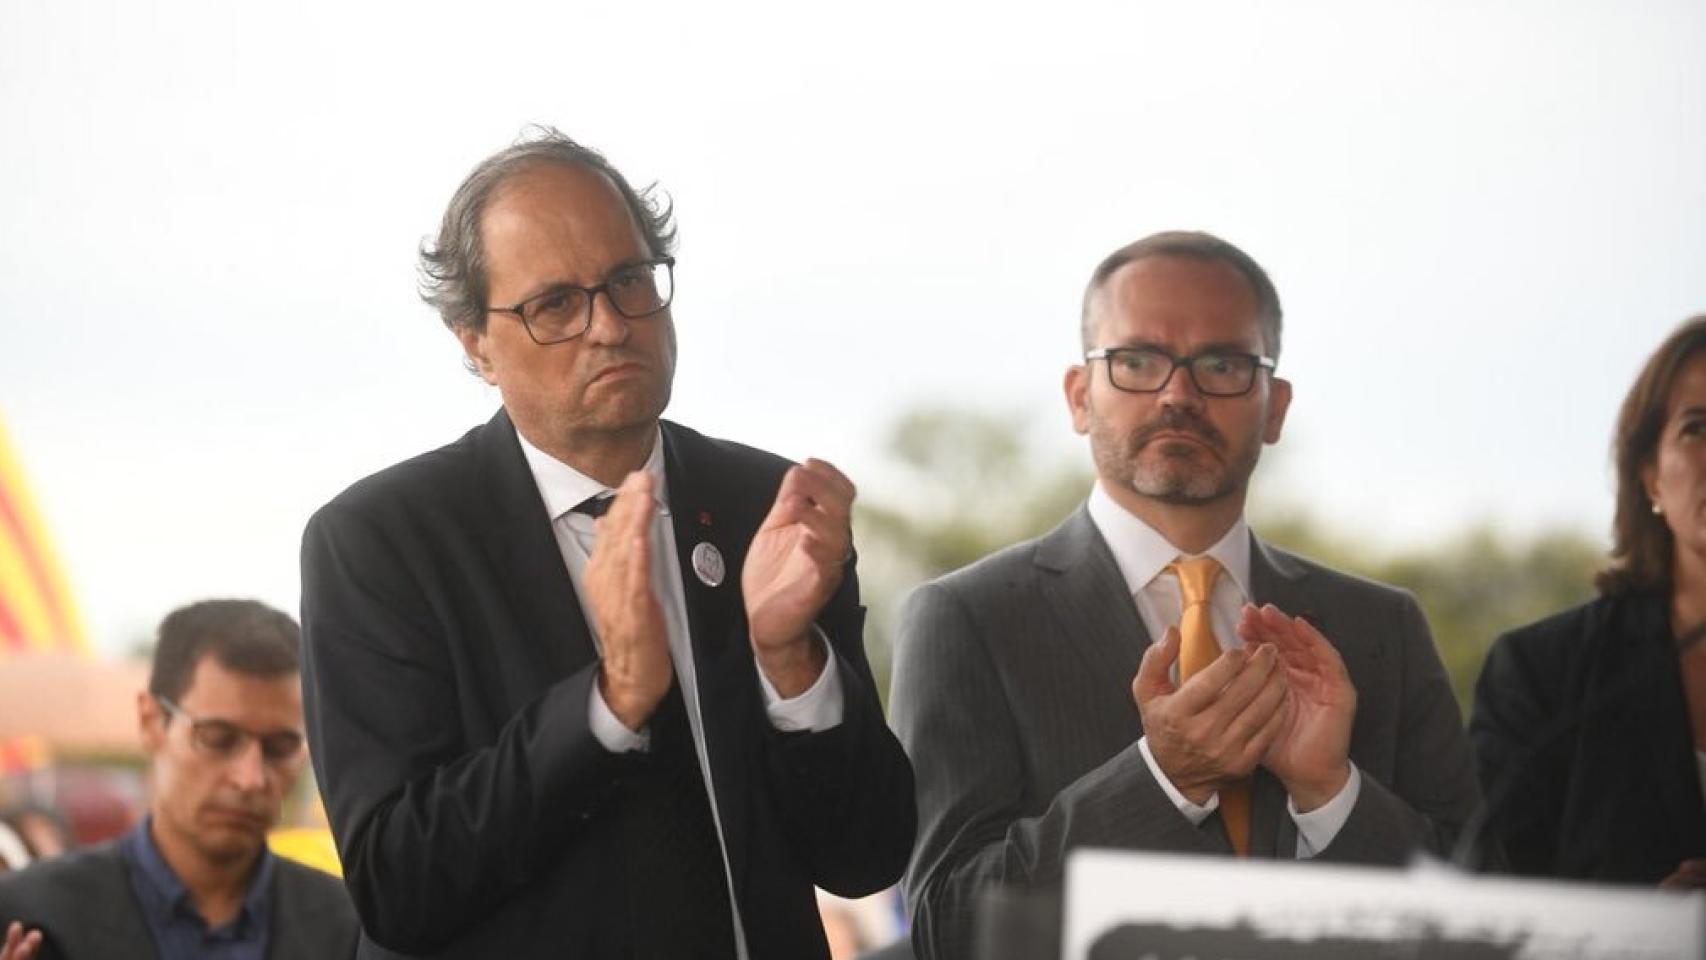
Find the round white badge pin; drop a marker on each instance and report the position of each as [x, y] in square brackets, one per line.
[708, 564]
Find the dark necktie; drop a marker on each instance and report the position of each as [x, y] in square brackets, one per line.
[596, 505]
[678, 894]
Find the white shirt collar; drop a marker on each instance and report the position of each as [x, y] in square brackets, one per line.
[563, 488]
[1142, 553]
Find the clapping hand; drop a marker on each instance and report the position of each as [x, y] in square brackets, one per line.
[636, 672]
[1311, 754]
[1215, 726]
[793, 567]
[20, 945]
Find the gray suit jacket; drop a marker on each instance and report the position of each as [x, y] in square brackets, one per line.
[1012, 695]
[83, 904]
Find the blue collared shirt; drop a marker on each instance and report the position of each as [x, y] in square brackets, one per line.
[179, 931]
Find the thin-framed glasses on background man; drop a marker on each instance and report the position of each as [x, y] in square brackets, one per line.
[222, 738]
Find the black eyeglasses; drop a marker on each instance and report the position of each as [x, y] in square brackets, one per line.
[564, 312]
[1216, 373]
[223, 739]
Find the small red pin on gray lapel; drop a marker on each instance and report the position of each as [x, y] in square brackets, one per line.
[708, 564]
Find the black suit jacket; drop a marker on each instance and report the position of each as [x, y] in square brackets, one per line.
[1012, 693]
[1581, 736]
[447, 670]
[83, 904]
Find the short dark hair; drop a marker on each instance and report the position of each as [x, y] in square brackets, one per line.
[246, 636]
[453, 268]
[1193, 245]
[1642, 549]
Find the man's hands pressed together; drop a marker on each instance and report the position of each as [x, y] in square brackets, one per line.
[1214, 727]
[636, 672]
[1311, 755]
[793, 567]
[1283, 701]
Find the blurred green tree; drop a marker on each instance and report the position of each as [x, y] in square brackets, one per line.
[1473, 586]
[974, 485]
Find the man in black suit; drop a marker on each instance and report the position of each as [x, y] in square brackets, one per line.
[545, 734]
[221, 722]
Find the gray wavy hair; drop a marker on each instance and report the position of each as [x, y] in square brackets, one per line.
[453, 267]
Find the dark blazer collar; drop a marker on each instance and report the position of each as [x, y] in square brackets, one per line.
[100, 875]
[1083, 587]
[715, 511]
[524, 552]
[714, 521]
[1279, 578]
[1635, 709]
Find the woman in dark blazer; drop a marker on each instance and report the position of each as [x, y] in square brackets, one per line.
[1590, 726]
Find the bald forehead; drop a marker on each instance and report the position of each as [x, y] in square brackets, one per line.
[1171, 286]
[557, 223]
[557, 194]
[1182, 277]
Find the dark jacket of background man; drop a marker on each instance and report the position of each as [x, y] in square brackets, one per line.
[221, 723]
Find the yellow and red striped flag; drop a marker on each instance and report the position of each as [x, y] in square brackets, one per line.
[36, 610]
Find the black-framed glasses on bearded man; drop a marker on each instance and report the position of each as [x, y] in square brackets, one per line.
[222, 738]
[564, 312]
[1216, 373]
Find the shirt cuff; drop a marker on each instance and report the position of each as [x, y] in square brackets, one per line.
[1195, 813]
[609, 731]
[1317, 828]
[818, 709]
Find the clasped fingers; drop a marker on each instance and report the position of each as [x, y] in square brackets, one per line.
[1217, 726]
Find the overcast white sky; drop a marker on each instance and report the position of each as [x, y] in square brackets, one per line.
[1480, 216]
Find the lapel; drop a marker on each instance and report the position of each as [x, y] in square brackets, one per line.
[705, 516]
[1648, 730]
[120, 932]
[1278, 579]
[551, 631]
[709, 512]
[1083, 588]
[294, 929]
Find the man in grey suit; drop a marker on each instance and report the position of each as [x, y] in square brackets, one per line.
[1316, 719]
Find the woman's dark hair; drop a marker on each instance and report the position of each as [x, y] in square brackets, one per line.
[1641, 543]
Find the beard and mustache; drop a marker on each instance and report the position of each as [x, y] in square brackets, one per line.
[1170, 470]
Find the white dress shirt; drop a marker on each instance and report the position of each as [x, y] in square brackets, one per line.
[1143, 556]
[562, 488]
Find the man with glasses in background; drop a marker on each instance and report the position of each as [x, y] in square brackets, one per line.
[1150, 675]
[221, 724]
[585, 682]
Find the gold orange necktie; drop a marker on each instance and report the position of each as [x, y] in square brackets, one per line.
[1197, 649]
